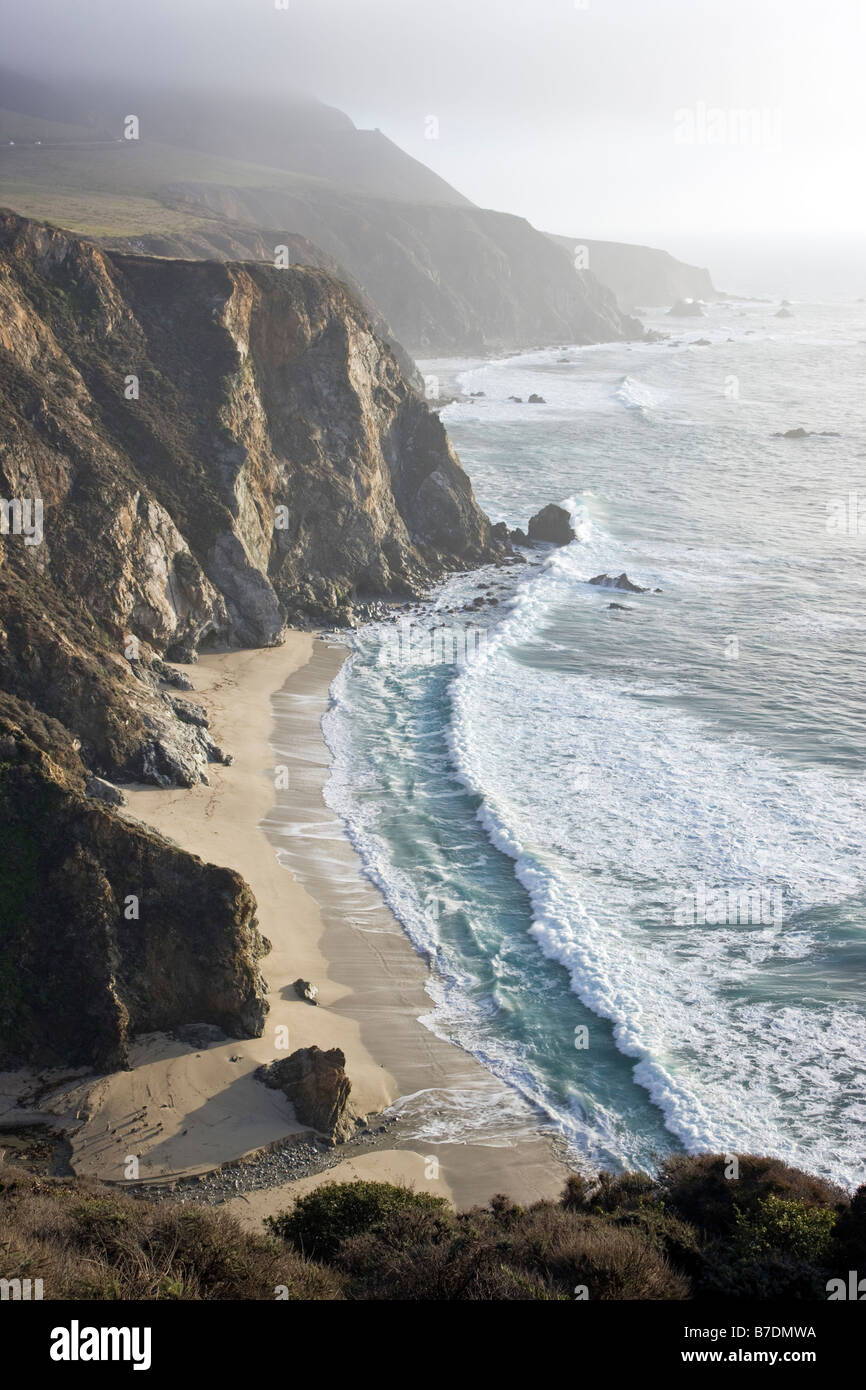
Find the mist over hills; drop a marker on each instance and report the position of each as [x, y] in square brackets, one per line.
[214, 177]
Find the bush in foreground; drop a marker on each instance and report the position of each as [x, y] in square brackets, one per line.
[692, 1231]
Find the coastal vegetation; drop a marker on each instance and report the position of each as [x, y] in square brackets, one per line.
[707, 1226]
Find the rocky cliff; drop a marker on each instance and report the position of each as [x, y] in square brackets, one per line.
[217, 449]
[448, 279]
[642, 276]
[192, 453]
[107, 930]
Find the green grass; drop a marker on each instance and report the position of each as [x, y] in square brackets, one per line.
[120, 189]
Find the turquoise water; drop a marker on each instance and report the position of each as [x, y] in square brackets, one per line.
[631, 843]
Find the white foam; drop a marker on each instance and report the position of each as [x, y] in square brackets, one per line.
[656, 791]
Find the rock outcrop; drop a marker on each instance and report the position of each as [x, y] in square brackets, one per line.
[641, 276]
[217, 449]
[622, 582]
[192, 454]
[447, 280]
[552, 524]
[316, 1084]
[106, 929]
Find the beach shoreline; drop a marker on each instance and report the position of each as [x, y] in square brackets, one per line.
[181, 1111]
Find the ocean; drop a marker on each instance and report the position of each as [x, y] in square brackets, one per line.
[629, 840]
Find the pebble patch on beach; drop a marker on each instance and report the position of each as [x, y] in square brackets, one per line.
[286, 1161]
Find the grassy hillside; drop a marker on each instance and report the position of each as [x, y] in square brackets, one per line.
[447, 276]
[101, 187]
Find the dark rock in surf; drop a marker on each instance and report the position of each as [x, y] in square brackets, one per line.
[552, 524]
[622, 582]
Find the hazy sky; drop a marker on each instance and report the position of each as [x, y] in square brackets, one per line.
[613, 118]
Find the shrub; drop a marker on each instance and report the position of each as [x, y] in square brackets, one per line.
[613, 1262]
[87, 1242]
[319, 1222]
[781, 1226]
[576, 1193]
[849, 1244]
[697, 1189]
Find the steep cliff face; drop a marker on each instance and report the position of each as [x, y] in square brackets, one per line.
[106, 930]
[642, 276]
[449, 279]
[217, 448]
[191, 453]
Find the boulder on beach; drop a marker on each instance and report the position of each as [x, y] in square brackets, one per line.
[552, 524]
[622, 582]
[316, 1084]
[535, 399]
[305, 990]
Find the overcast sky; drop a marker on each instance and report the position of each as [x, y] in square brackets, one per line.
[614, 118]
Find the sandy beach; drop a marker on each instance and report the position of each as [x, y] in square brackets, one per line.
[181, 1111]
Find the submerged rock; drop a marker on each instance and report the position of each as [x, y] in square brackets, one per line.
[800, 433]
[621, 582]
[552, 524]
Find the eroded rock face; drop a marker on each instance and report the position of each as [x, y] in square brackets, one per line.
[215, 449]
[106, 929]
[551, 524]
[218, 449]
[317, 1085]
